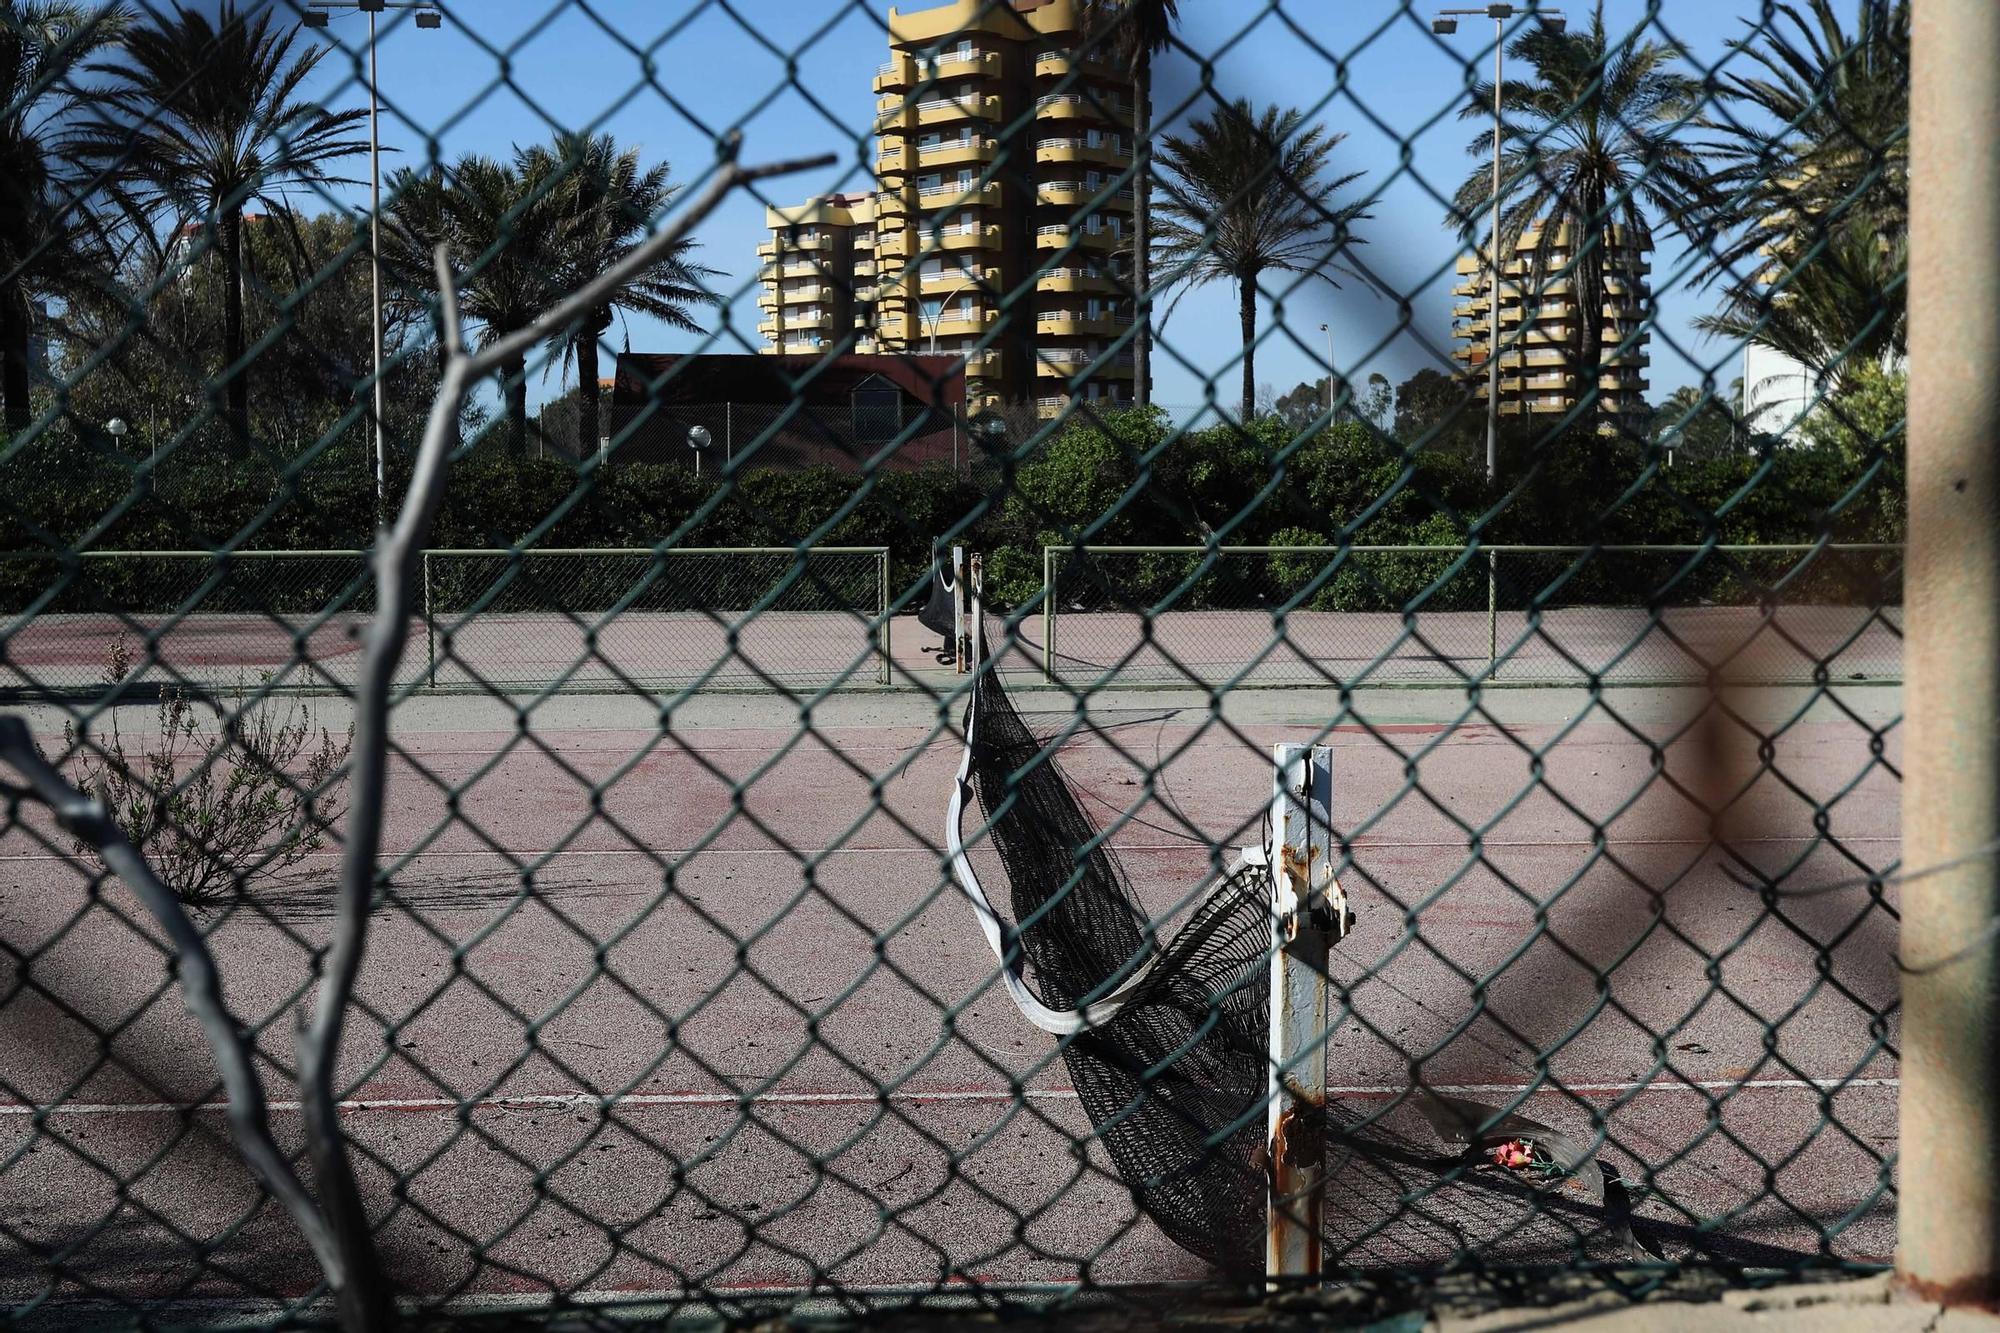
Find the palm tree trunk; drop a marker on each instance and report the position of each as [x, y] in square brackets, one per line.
[515, 374]
[1246, 312]
[1589, 289]
[1142, 232]
[14, 336]
[236, 401]
[588, 431]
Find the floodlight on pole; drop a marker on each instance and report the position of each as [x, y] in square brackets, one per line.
[1446, 23]
[317, 15]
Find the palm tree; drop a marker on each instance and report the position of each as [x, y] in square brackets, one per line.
[607, 206]
[1137, 31]
[1840, 305]
[505, 232]
[1590, 142]
[49, 242]
[199, 120]
[1810, 234]
[1248, 195]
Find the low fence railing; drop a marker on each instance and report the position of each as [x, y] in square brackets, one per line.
[493, 618]
[1413, 615]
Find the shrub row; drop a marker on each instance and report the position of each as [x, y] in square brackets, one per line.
[1124, 480]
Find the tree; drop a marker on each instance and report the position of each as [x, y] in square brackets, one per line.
[1591, 140]
[606, 207]
[307, 305]
[198, 120]
[50, 244]
[507, 234]
[1427, 401]
[1810, 234]
[1378, 405]
[1138, 31]
[1698, 421]
[1248, 195]
[1302, 405]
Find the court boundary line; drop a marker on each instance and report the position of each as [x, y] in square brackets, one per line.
[574, 1100]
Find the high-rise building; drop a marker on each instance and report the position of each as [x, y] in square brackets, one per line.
[996, 232]
[1539, 376]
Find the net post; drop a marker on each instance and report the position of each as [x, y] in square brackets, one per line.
[1301, 835]
[1048, 614]
[958, 609]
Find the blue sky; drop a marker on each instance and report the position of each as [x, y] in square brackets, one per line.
[668, 75]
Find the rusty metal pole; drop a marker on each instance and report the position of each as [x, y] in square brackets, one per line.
[1295, 1115]
[1948, 1214]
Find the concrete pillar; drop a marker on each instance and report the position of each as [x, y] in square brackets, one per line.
[1948, 1243]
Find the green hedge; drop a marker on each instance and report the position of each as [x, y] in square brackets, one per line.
[1118, 481]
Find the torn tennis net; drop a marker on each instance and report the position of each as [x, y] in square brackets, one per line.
[1165, 1045]
[1168, 1045]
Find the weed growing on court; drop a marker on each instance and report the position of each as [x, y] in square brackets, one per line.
[213, 804]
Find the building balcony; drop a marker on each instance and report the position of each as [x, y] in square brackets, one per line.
[954, 323]
[1075, 194]
[894, 75]
[891, 111]
[1080, 150]
[957, 238]
[953, 194]
[768, 250]
[932, 284]
[1077, 324]
[817, 291]
[954, 152]
[1060, 235]
[1075, 280]
[1065, 362]
[1083, 106]
[896, 161]
[922, 67]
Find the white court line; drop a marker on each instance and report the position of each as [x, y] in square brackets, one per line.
[700, 1099]
[905, 849]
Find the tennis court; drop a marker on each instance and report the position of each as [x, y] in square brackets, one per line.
[691, 1026]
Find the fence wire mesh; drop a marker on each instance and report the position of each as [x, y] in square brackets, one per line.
[674, 995]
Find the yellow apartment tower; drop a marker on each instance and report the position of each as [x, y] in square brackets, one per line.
[1539, 377]
[996, 231]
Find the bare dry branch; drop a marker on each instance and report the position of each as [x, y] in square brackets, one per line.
[201, 984]
[337, 1227]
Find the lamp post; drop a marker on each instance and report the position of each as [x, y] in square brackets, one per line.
[933, 322]
[1445, 24]
[1327, 329]
[428, 16]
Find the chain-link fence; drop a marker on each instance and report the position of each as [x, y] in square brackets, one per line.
[1379, 615]
[453, 873]
[596, 619]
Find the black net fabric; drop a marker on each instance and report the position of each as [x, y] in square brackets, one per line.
[1174, 1085]
[936, 614]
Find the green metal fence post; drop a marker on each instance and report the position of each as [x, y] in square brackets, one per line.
[883, 642]
[1048, 614]
[1492, 611]
[430, 624]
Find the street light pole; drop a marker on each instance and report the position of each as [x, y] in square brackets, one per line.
[1444, 25]
[1327, 329]
[428, 16]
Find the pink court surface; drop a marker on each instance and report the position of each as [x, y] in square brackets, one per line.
[662, 1001]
